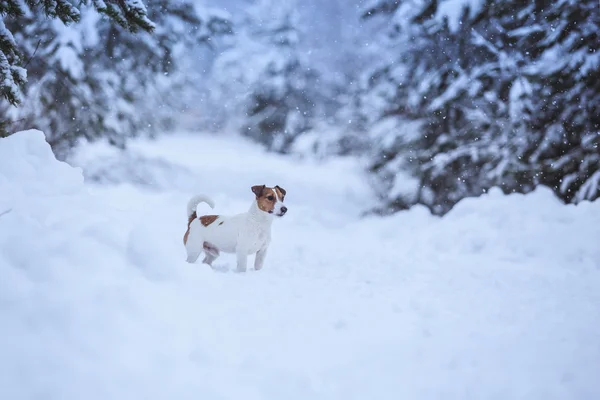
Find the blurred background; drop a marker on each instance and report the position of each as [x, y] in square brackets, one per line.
[439, 99]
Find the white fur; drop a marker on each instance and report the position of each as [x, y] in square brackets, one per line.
[194, 201]
[242, 234]
[278, 204]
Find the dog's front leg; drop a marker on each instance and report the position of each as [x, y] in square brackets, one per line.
[259, 260]
[242, 258]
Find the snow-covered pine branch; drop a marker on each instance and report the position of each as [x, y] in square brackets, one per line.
[100, 79]
[505, 95]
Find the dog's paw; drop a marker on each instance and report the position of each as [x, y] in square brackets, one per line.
[192, 257]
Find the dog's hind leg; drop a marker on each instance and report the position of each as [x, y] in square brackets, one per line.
[193, 245]
[193, 252]
[211, 253]
[208, 259]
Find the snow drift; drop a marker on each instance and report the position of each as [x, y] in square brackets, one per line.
[498, 299]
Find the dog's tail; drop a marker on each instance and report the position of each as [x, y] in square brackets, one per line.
[194, 201]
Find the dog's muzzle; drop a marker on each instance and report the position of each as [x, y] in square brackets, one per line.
[282, 211]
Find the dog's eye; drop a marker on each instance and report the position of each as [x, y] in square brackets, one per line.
[270, 198]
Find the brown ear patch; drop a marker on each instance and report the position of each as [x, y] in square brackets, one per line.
[266, 201]
[280, 192]
[206, 220]
[258, 190]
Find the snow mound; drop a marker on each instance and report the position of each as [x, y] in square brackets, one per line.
[29, 168]
[497, 299]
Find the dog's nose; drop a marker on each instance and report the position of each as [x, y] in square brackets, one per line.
[283, 210]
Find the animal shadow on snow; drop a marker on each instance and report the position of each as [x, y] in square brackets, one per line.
[223, 268]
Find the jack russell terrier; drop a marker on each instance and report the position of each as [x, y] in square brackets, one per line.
[243, 234]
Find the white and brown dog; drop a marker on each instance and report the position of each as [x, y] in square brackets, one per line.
[243, 234]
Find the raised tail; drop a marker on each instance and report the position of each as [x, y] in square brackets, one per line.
[194, 201]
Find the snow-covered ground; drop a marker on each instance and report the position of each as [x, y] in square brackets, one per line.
[500, 299]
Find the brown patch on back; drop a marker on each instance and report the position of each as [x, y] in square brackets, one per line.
[266, 200]
[205, 220]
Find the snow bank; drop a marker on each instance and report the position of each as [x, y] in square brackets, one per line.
[498, 299]
[64, 277]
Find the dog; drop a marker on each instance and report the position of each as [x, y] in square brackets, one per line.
[242, 234]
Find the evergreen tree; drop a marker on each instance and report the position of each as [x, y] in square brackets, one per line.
[99, 80]
[565, 111]
[130, 14]
[12, 76]
[265, 76]
[477, 89]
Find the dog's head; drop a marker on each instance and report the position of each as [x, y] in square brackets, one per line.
[270, 200]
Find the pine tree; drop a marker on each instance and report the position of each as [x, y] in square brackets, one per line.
[128, 13]
[483, 103]
[273, 85]
[12, 76]
[99, 79]
[3, 129]
[566, 105]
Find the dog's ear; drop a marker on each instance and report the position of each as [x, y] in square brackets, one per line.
[282, 190]
[258, 190]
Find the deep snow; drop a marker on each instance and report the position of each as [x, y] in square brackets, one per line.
[499, 299]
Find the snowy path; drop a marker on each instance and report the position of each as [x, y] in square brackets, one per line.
[498, 300]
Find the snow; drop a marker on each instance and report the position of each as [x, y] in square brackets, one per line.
[9, 72]
[69, 48]
[453, 10]
[137, 8]
[455, 88]
[7, 35]
[496, 300]
[590, 187]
